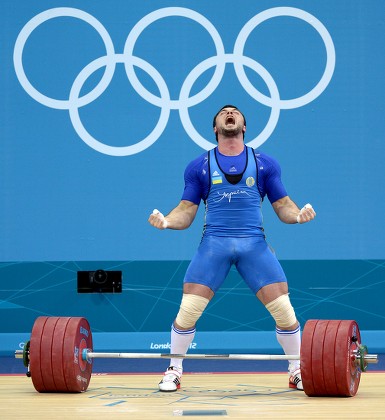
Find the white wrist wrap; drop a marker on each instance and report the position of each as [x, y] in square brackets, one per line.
[306, 206]
[165, 223]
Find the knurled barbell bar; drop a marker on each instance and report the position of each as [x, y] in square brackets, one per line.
[59, 356]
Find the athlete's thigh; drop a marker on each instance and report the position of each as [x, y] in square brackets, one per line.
[257, 264]
[211, 263]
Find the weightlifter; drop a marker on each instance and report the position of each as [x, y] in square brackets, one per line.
[232, 181]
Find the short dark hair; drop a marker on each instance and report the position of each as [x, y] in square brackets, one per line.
[227, 106]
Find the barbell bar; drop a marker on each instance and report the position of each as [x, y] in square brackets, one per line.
[87, 355]
[59, 356]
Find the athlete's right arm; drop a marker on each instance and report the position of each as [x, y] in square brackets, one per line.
[179, 218]
[182, 216]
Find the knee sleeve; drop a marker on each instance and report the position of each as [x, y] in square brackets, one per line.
[282, 311]
[190, 310]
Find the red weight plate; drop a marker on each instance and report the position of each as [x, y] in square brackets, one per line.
[328, 358]
[57, 354]
[306, 357]
[317, 359]
[348, 374]
[46, 354]
[34, 354]
[77, 372]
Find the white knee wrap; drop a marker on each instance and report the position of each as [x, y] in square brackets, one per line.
[282, 311]
[190, 310]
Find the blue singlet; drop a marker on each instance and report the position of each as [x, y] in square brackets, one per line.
[233, 232]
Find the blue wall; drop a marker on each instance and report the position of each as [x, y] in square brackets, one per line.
[103, 105]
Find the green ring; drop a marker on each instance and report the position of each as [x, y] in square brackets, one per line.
[362, 350]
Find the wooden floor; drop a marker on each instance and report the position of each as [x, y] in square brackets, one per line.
[204, 396]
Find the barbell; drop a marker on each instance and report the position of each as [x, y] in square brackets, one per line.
[59, 356]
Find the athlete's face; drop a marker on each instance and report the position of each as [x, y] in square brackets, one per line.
[229, 122]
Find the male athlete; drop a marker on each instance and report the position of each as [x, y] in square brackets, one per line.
[232, 180]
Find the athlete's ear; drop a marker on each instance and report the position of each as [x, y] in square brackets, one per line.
[215, 130]
[244, 129]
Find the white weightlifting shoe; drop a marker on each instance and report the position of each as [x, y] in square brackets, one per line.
[295, 380]
[171, 380]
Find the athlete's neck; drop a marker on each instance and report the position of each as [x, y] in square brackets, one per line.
[231, 146]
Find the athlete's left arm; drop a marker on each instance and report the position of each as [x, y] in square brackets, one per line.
[289, 212]
[283, 205]
[286, 209]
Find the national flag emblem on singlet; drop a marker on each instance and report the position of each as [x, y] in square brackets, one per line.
[216, 180]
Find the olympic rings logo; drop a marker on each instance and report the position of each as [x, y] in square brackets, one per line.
[164, 101]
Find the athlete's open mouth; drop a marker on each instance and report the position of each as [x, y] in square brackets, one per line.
[230, 119]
